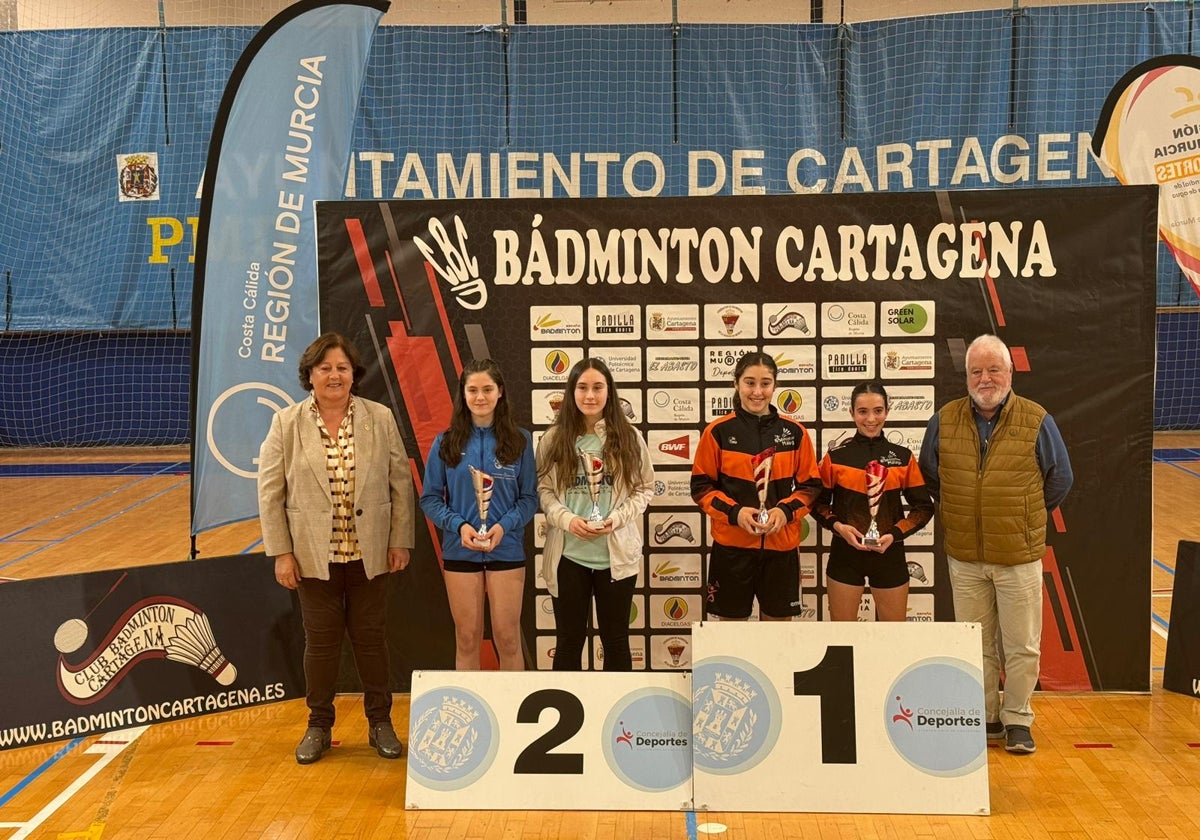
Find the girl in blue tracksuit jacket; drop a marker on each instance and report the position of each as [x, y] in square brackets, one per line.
[483, 447]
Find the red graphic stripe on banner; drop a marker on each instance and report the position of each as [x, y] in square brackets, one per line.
[1063, 668]
[422, 384]
[400, 297]
[1020, 359]
[419, 487]
[1059, 525]
[489, 658]
[436, 291]
[366, 266]
[991, 283]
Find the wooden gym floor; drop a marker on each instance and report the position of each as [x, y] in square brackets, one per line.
[1107, 766]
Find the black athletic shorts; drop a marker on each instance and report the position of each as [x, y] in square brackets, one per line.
[854, 568]
[470, 566]
[736, 576]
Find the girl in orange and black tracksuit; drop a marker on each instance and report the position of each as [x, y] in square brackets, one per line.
[743, 566]
[844, 502]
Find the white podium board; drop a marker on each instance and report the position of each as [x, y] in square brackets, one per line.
[839, 717]
[857, 717]
[545, 740]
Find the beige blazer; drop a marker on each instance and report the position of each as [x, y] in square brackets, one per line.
[295, 505]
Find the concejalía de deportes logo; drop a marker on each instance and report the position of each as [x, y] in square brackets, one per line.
[933, 715]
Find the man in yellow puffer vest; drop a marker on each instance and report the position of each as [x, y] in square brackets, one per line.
[997, 465]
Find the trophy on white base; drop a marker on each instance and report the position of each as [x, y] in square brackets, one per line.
[761, 464]
[876, 475]
[483, 497]
[593, 469]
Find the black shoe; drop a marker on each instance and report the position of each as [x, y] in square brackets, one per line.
[383, 738]
[313, 745]
[995, 730]
[1019, 740]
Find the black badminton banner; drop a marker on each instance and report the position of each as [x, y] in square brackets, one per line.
[115, 649]
[839, 289]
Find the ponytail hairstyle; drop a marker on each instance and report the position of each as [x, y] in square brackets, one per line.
[510, 443]
[622, 451]
[748, 360]
[872, 387]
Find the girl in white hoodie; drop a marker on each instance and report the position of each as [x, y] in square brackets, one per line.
[585, 558]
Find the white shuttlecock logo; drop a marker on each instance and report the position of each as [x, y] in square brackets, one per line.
[194, 644]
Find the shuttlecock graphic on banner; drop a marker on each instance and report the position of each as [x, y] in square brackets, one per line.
[761, 464]
[876, 476]
[593, 471]
[158, 627]
[1147, 134]
[193, 644]
[482, 482]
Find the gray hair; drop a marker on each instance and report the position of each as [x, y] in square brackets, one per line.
[987, 341]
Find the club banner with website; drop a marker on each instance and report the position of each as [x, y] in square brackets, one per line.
[109, 650]
[838, 289]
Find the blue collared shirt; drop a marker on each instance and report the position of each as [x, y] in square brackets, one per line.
[1050, 448]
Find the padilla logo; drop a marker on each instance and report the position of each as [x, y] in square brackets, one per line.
[154, 628]
[680, 447]
[557, 362]
[455, 264]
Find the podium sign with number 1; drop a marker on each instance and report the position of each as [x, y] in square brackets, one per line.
[839, 717]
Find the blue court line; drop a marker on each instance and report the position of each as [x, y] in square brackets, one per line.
[690, 818]
[1160, 621]
[49, 470]
[92, 525]
[42, 768]
[1162, 565]
[75, 509]
[1181, 469]
[252, 546]
[1168, 455]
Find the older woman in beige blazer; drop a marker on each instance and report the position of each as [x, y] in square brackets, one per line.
[335, 500]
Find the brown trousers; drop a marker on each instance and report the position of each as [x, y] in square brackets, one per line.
[347, 603]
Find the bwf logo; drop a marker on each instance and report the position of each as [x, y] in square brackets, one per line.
[679, 447]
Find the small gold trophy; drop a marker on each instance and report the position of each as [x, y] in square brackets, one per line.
[761, 464]
[876, 474]
[483, 497]
[593, 469]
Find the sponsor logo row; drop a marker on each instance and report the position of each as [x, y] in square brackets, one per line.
[796, 362]
[672, 650]
[734, 320]
[669, 405]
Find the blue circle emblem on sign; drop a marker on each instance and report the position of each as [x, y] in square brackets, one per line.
[737, 715]
[648, 739]
[934, 717]
[453, 738]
